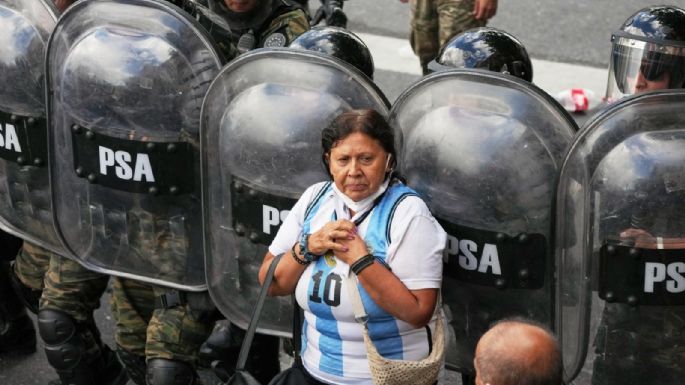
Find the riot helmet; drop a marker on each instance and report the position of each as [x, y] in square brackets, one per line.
[487, 48]
[648, 52]
[340, 43]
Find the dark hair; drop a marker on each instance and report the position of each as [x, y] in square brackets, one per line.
[497, 366]
[366, 121]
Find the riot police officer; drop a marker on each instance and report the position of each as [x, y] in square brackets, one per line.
[258, 23]
[648, 53]
[70, 292]
[485, 48]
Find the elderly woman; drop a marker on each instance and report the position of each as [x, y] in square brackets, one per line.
[368, 222]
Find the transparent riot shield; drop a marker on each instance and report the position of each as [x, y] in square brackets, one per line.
[126, 81]
[483, 150]
[261, 137]
[621, 245]
[25, 26]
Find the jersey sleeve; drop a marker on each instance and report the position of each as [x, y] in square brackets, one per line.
[417, 246]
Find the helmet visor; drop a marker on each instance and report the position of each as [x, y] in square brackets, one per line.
[638, 66]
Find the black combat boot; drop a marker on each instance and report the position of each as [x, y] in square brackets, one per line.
[17, 333]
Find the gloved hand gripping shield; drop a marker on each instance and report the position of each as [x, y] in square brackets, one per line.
[621, 244]
[483, 150]
[25, 26]
[261, 148]
[126, 81]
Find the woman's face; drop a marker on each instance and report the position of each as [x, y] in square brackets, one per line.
[358, 164]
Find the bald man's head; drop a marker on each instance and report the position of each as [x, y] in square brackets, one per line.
[518, 352]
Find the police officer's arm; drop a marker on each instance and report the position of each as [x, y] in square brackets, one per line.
[484, 9]
[645, 240]
[415, 307]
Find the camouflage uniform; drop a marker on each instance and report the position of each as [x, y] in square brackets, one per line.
[30, 267]
[288, 20]
[146, 330]
[71, 289]
[434, 22]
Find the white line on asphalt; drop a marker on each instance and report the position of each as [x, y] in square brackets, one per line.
[393, 54]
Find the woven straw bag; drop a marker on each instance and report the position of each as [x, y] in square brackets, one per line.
[399, 372]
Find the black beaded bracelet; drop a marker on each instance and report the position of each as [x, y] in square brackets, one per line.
[300, 261]
[362, 263]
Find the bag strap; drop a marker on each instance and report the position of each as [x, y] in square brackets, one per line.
[297, 330]
[358, 307]
[256, 312]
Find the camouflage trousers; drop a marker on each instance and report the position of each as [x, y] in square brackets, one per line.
[31, 265]
[67, 287]
[174, 333]
[434, 22]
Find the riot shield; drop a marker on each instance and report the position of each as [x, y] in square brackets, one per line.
[25, 26]
[621, 245]
[126, 81]
[261, 148]
[483, 150]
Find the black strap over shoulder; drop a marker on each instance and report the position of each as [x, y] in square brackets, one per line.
[256, 313]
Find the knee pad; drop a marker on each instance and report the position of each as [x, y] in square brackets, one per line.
[135, 365]
[161, 371]
[64, 347]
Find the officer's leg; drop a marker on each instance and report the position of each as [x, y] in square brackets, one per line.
[17, 334]
[28, 273]
[424, 31]
[180, 323]
[66, 324]
[132, 308]
[455, 17]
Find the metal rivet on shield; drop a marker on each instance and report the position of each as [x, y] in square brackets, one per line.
[37, 162]
[90, 135]
[13, 118]
[21, 160]
[150, 146]
[79, 171]
[611, 250]
[153, 190]
[92, 178]
[501, 237]
[240, 230]
[238, 186]
[171, 147]
[76, 129]
[500, 283]
[173, 190]
[30, 121]
[632, 300]
[635, 253]
[524, 274]
[254, 237]
[523, 238]
[252, 193]
[609, 296]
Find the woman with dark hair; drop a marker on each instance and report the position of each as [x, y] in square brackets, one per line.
[364, 221]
